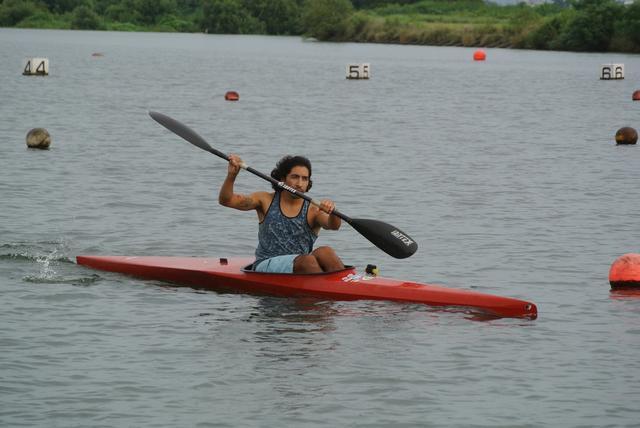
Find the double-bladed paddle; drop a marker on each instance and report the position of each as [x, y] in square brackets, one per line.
[388, 238]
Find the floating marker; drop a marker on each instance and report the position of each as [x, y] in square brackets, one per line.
[625, 272]
[626, 135]
[479, 55]
[358, 71]
[232, 96]
[612, 72]
[36, 67]
[38, 138]
[636, 96]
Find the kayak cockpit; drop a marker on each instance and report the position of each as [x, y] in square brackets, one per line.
[249, 269]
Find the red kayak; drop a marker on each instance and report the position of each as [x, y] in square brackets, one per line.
[232, 275]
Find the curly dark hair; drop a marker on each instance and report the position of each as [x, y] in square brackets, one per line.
[284, 167]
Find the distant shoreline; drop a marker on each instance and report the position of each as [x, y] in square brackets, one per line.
[583, 26]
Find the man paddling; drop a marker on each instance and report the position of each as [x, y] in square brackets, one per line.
[288, 224]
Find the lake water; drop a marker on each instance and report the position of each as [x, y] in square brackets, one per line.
[505, 172]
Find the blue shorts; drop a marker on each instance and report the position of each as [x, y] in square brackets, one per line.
[278, 264]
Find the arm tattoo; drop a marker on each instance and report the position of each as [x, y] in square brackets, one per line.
[246, 203]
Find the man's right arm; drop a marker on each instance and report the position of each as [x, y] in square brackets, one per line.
[227, 197]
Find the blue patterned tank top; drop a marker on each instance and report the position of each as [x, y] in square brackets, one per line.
[279, 235]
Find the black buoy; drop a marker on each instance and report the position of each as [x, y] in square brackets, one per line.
[38, 138]
[626, 135]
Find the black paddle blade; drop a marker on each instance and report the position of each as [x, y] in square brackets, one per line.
[185, 132]
[388, 238]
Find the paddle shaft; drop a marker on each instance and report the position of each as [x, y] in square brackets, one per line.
[388, 238]
[273, 181]
[281, 185]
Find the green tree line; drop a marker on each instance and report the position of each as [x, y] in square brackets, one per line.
[576, 25]
[573, 25]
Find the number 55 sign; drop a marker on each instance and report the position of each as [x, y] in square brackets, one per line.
[358, 71]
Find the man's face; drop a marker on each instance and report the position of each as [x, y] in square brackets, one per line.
[298, 178]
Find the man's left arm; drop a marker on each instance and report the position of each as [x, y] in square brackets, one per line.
[324, 218]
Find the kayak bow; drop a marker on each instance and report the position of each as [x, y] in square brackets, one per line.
[231, 275]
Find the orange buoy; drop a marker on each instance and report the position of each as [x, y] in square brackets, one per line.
[626, 135]
[232, 96]
[479, 55]
[636, 96]
[625, 271]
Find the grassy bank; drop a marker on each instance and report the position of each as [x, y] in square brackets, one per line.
[586, 25]
[439, 32]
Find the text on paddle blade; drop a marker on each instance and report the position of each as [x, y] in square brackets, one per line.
[402, 237]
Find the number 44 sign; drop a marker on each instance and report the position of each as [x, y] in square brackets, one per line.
[358, 71]
[36, 67]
